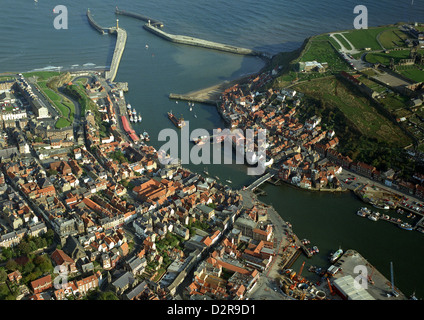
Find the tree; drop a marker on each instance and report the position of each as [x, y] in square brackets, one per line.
[3, 275]
[11, 265]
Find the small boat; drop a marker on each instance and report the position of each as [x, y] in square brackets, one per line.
[336, 255]
[229, 181]
[131, 118]
[405, 226]
[140, 118]
[217, 178]
[195, 115]
[361, 213]
[128, 106]
[206, 171]
[147, 46]
[146, 136]
[315, 248]
[373, 217]
[134, 111]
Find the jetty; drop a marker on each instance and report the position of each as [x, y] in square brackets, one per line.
[153, 26]
[121, 40]
[94, 24]
[181, 39]
[138, 16]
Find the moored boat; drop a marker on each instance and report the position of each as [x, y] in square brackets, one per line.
[336, 255]
[179, 123]
[405, 226]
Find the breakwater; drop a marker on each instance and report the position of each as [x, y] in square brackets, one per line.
[203, 43]
[94, 24]
[140, 17]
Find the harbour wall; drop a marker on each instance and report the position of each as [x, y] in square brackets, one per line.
[201, 43]
[94, 24]
[139, 16]
[121, 40]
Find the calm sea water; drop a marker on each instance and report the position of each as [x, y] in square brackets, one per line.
[29, 41]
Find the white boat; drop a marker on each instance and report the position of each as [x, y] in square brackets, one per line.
[131, 118]
[134, 111]
[128, 106]
[373, 217]
[140, 118]
[336, 255]
[195, 115]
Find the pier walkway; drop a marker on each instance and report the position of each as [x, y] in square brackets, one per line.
[121, 40]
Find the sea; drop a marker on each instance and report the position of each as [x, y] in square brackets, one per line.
[154, 68]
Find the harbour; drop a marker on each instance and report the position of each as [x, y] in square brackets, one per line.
[327, 219]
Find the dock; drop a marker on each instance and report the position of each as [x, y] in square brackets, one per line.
[373, 282]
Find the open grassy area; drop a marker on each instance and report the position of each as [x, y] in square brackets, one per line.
[356, 108]
[320, 49]
[384, 58]
[66, 107]
[411, 72]
[343, 41]
[365, 38]
[392, 38]
[41, 75]
[61, 123]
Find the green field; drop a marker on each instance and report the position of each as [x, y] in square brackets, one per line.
[365, 38]
[384, 58]
[411, 72]
[320, 50]
[65, 106]
[62, 122]
[343, 41]
[41, 75]
[358, 109]
[392, 38]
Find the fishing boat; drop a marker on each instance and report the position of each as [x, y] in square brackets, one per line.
[229, 181]
[131, 118]
[179, 123]
[405, 226]
[140, 118]
[129, 106]
[336, 255]
[206, 171]
[146, 136]
[316, 250]
[373, 217]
